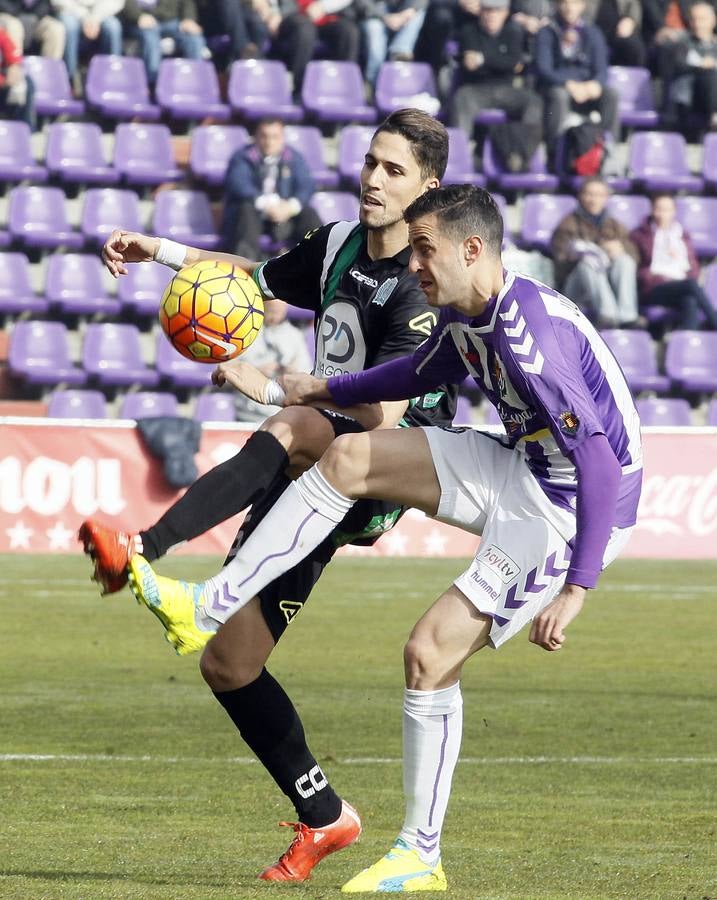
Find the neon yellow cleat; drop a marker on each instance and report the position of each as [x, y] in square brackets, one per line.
[401, 871]
[174, 603]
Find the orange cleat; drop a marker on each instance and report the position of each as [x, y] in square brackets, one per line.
[311, 845]
[110, 551]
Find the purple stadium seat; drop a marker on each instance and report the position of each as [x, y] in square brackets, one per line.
[398, 83]
[333, 206]
[189, 89]
[141, 289]
[537, 178]
[542, 214]
[112, 355]
[143, 404]
[212, 148]
[489, 116]
[698, 215]
[502, 205]
[334, 92]
[710, 282]
[5, 238]
[77, 405]
[74, 283]
[711, 419]
[215, 408]
[691, 360]
[664, 411]
[177, 369]
[38, 218]
[635, 352]
[460, 169]
[629, 209]
[464, 411]
[16, 293]
[117, 88]
[310, 339]
[53, 94]
[709, 160]
[106, 209]
[261, 87]
[40, 354]
[353, 144]
[636, 107]
[75, 154]
[308, 142]
[658, 161]
[185, 216]
[144, 154]
[16, 160]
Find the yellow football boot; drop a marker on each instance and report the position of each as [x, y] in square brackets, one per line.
[401, 871]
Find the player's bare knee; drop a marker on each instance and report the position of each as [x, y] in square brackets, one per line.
[282, 426]
[422, 663]
[223, 673]
[295, 429]
[345, 462]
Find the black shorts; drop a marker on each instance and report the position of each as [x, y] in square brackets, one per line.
[364, 523]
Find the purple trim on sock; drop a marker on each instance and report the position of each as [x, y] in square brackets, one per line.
[283, 552]
[426, 841]
[440, 769]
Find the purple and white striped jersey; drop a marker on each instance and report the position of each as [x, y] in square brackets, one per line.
[551, 377]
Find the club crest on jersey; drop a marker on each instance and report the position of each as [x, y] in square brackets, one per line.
[423, 324]
[569, 423]
[384, 292]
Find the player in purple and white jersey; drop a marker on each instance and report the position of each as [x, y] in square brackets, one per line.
[554, 499]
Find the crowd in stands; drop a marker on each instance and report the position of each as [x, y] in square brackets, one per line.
[516, 82]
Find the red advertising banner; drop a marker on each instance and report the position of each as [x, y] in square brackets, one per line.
[55, 474]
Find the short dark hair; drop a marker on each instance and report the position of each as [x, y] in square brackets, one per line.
[593, 179]
[462, 210]
[428, 139]
[267, 120]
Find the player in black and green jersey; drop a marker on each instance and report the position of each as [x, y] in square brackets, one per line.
[369, 309]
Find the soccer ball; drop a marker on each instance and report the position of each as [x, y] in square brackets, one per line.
[211, 311]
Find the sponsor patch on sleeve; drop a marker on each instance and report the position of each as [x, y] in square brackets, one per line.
[569, 423]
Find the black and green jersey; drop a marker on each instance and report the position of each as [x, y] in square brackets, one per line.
[367, 311]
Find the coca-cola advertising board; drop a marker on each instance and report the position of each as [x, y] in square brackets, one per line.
[55, 474]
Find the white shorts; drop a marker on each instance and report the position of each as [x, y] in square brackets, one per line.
[523, 556]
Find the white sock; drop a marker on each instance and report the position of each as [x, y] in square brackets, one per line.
[432, 729]
[302, 517]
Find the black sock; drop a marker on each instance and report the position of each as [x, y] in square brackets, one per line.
[268, 722]
[221, 493]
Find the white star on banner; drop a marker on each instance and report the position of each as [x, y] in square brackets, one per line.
[19, 536]
[396, 544]
[434, 544]
[59, 536]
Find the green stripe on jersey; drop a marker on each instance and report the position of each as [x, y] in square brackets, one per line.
[346, 255]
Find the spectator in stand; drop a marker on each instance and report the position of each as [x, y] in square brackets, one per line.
[491, 58]
[390, 29]
[242, 20]
[693, 82]
[668, 269]
[531, 15]
[571, 68]
[595, 260]
[278, 349]
[443, 21]
[30, 23]
[268, 187]
[620, 22]
[306, 22]
[16, 90]
[92, 23]
[664, 22]
[151, 21]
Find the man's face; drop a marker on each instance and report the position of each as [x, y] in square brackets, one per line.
[593, 197]
[438, 262]
[270, 138]
[702, 20]
[571, 10]
[663, 211]
[390, 180]
[493, 19]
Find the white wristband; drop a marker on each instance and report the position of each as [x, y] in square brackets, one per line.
[171, 254]
[274, 394]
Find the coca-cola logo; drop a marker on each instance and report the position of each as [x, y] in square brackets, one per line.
[679, 504]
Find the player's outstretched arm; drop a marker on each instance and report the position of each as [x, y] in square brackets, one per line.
[123, 247]
[548, 629]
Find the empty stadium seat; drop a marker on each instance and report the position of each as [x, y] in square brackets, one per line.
[39, 354]
[117, 87]
[709, 160]
[185, 216]
[698, 216]
[53, 93]
[691, 361]
[75, 154]
[658, 161]
[398, 84]
[664, 411]
[635, 351]
[16, 293]
[353, 144]
[215, 407]
[537, 178]
[189, 89]
[105, 209]
[76, 404]
[460, 168]
[74, 284]
[636, 102]
[144, 155]
[711, 418]
[112, 355]
[308, 142]
[334, 206]
[212, 148]
[334, 92]
[38, 218]
[262, 87]
[629, 209]
[141, 289]
[177, 369]
[541, 215]
[16, 160]
[143, 404]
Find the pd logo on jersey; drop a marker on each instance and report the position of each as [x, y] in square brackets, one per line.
[423, 324]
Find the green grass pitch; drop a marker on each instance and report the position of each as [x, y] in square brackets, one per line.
[589, 773]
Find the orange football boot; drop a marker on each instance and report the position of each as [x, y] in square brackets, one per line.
[110, 551]
[311, 845]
